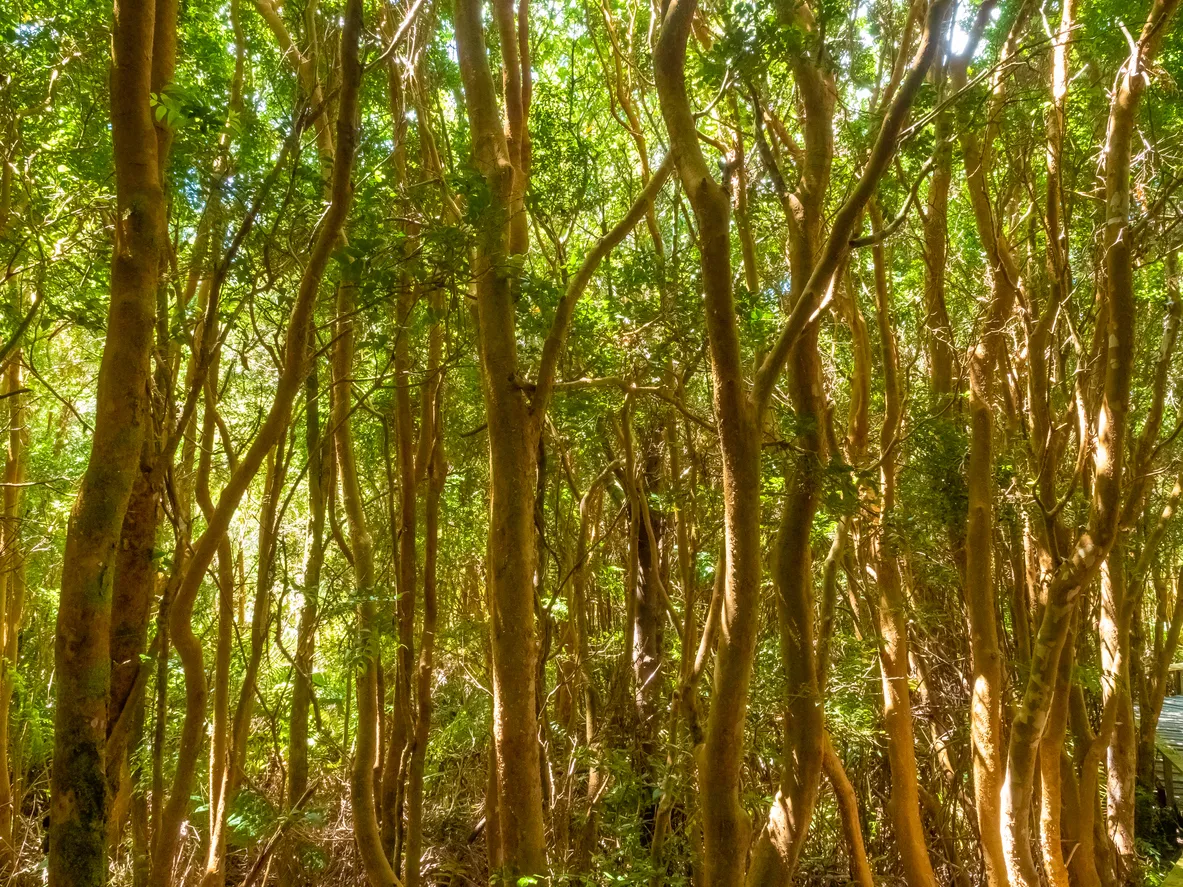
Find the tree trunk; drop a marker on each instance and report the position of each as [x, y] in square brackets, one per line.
[79, 795]
[310, 590]
[239, 735]
[291, 377]
[515, 417]
[1119, 756]
[980, 574]
[738, 412]
[407, 575]
[513, 429]
[848, 810]
[220, 737]
[1094, 544]
[365, 756]
[891, 607]
[725, 824]
[134, 591]
[12, 562]
[431, 430]
[1051, 779]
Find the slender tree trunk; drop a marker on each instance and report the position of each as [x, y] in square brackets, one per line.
[260, 615]
[407, 575]
[134, 591]
[980, 574]
[776, 853]
[309, 608]
[1051, 779]
[848, 810]
[1094, 544]
[590, 506]
[361, 784]
[219, 757]
[892, 607]
[291, 377]
[431, 429]
[513, 450]
[645, 613]
[738, 412]
[79, 795]
[1080, 804]
[726, 826]
[1115, 662]
[986, 656]
[406, 535]
[515, 417]
[941, 346]
[779, 846]
[12, 562]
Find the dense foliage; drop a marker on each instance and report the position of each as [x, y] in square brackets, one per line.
[589, 442]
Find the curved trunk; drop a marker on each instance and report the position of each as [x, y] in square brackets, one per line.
[134, 591]
[407, 575]
[78, 789]
[986, 656]
[1051, 784]
[891, 607]
[848, 811]
[365, 754]
[1095, 543]
[940, 344]
[291, 376]
[738, 411]
[219, 758]
[980, 573]
[775, 856]
[725, 824]
[234, 745]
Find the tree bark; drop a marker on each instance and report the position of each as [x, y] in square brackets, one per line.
[980, 574]
[315, 441]
[220, 736]
[515, 418]
[292, 375]
[891, 607]
[738, 411]
[1094, 544]
[436, 470]
[366, 830]
[1120, 766]
[848, 810]
[726, 826]
[79, 795]
[12, 562]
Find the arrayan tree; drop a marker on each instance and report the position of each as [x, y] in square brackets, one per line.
[577, 442]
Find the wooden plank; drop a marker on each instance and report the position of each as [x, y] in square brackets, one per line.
[1174, 877]
[1169, 754]
[1172, 754]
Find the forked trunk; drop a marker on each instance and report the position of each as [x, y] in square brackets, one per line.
[79, 794]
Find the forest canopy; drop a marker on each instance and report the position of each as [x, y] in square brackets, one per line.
[607, 442]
